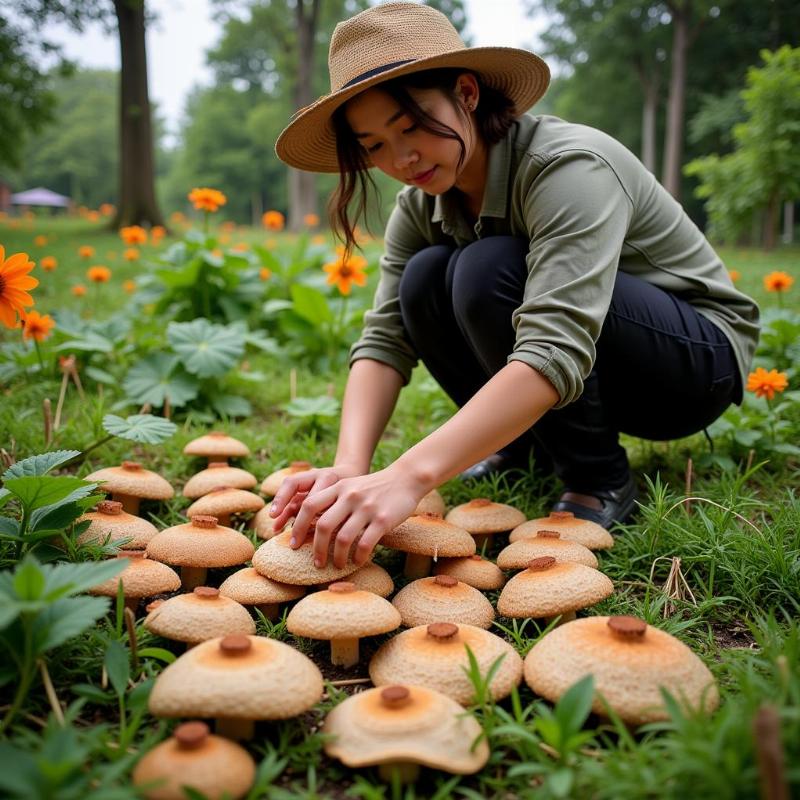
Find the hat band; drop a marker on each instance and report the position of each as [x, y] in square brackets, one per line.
[376, 71]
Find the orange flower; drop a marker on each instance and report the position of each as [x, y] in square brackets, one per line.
[734, 275]
[311, 220]
[79, 290]
[264, 273]
[765, 384]
[346, 270]
[229, 226]
[86, 251]
[106, 209]
[40, 241]
[133, 234]
[37, 326]
[48, 263]
[98, 274]
[14, 283]
[83, 210]
[318, 239]
[177, 217]
[129, 286]
[93, 216]
[273, 220]
[241, 247]
[157, 233]
[778, 282]
[207, 199]
[131, 254]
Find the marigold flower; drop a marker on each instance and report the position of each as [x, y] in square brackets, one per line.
[86, 251]
[318, 239]
[83, 210]
[229, 226]
[14, 283]
[37, 326]
[98, 274]
[241, 247]
[79, 290]
[129, 286]
[106, 209]
[734, 275]
[40, 240]
[177, 217]
[778, 281]
[157, 233]
[93, 216]
[765, 384]
[273, 220]
[311, 220]
[48, 263]
[346, 270]
[133, 234]
[131, 254]
[205, 199]
[264, 273]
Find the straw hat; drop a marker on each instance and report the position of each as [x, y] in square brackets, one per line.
[388, 41]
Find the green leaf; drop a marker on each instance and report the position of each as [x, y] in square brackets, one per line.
[144, 428]
[274, 307]
[9, 527]
[313, 407]
[66, 618]
[35, 492]
[89, 342]
[228, 405]
[29, 580]
[154, 379]
[575, 705]
[311, 305]
[560, 782]
[101, 376]
[117, 664]
[63, 579]
[205, 349]
[39, 465]
[158, 653]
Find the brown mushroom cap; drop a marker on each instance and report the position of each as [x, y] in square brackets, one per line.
[199, 615]
[435, 656]
[442, 599]
[108, 519]
[548, 588]
[429, 535]
[225, 500]
[263, 524]
[473, 570]
[588, 533]
[143, 577]
[215, 475]
[194, 758]
[195, 544]
[630, 661]
[372, 578]
[519, 554]
[133, 480]
[248, 587]
[424, 727]
[431, 503]
[244, 683]
[484, 516]
[218, 446]
[273, 481]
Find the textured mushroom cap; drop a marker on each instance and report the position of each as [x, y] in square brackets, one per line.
[473, 570]
[118, 526]
[215, 475]
[418, 657]
[429, 535]
[262, 522]
[520, 553]
[557, 588]
[215, 766]
[431, 503]
[225, 500]
[199, 615]
[271, 484]
[588, 533]
[628, 670]
[342, 614]
[134, 480]
[206, 681]
[430, 729]
[372, 578]
[248, 587]
[217, 445]
[484, 516]
[143, 577]
[428, 600]
[190, 545]
[278, 561]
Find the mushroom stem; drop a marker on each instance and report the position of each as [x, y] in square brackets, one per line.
[405, 771]
[344, 652]
[224, 519]
[129, 503]
[567, 616]
[480, 539]
[417, 566]
[232, 728]
[192, 577]
[270, 610]
[132, 603]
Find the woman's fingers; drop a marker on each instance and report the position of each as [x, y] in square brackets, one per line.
[290, 486]
[366, 544]
[310, 508]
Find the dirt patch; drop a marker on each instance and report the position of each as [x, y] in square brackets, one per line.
[733, 634]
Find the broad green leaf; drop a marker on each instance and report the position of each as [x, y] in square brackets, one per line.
[206, 350]
[311, 305]
[155, 378]
[9, 611]
[117, 664]
[144, 428]
[101, 376]
[19, 773]
[63, 579]
[274, 307]
[9, 527]
[29, 580]
[66, 618]
[90, 342]
[158, 653]
[180, 278]
[560, 782]
[228, 405]
[313, 407]
[39, 465]
[35, 492]
[62, 513]
[574, 706]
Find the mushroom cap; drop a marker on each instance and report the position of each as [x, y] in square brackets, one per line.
[431, 503]
[483, 516]
[194, 758]
[248, 587]
[629, 667]
[519, 554]
[210, 681]
[199, 615]
[143, 577]
[474, 570]
[588, 533]
[549, 587]
[436, 656]
[262, 522]
[108, 519]
[215, 475]
[225, 500]
[217, 445]
[278, 561]
[428, 729]
[191, 544]
[273, 481]
[342, 613]
[429, 535]
[442, 599]
[372, 578]
[132, 479]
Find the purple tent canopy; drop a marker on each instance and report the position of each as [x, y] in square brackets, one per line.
[40, 197]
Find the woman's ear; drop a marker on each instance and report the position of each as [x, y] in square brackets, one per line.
[468, 91]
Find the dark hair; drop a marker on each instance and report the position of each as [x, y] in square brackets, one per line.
[348, 203]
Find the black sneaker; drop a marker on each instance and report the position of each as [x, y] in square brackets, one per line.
[491, 465]
[618, 505]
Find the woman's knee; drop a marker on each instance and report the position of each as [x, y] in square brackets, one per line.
[423, 277]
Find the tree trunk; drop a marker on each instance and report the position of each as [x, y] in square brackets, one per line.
[771, 222]
[788, 222]
[673, 145]
[649, 109]
[137, 197]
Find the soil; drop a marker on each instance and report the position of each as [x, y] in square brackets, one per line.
[733, 634]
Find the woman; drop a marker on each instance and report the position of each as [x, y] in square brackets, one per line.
[547, 281]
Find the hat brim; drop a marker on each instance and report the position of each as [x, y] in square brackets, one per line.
[308, 142]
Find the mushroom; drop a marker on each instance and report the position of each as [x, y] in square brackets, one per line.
[436, 656]
[483, 518]
[237, 679]
[588, 533]
[192, 758]
[342, 614]
[431, 503]
[631, 662]
[199, 615]
[549, 589]
[143, 577]
[197, 545]
[218, 473]
[442, 599]
[131, 482]
[399, 728]
[109, 520]
[372, 578]
[251, 589]
[223, 501]
[271, 484]
[474, 570]
[424, 537]
[545, 543]
[262, 522]
[216, 446]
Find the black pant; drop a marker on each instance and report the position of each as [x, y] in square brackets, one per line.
[662, 370]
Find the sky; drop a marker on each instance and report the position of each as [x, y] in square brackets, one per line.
[184, 31]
